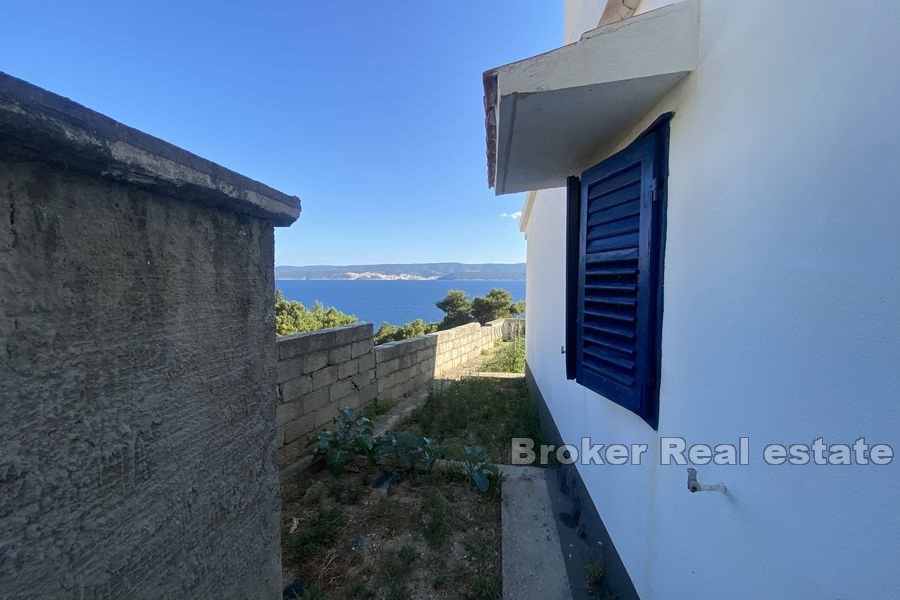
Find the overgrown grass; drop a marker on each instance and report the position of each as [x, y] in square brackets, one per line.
[478, 412]
[432, 536]
[510, 358]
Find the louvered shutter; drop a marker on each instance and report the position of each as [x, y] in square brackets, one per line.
[619, 276]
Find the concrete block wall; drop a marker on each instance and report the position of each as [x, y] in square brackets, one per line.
[318, 373]
[404, 366]
[322, 371]
[409, 364]
[461, 345]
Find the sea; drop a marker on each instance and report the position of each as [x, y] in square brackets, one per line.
[395, 301]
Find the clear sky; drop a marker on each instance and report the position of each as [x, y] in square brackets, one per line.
[371, 112]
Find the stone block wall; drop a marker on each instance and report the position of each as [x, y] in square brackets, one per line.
[322, 371]
[318, 373]
[409, 364]
[404, 366]
[461, 345]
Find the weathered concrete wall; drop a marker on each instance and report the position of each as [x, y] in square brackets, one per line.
[136, 444]
[322, 371]
[137, 369]
[318, 373]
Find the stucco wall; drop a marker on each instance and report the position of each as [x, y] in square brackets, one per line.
[137, 446]
[781, 318]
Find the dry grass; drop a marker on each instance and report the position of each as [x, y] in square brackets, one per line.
[478, 411]
[429, 537]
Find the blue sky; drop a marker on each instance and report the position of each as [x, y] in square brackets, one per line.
[371, 112]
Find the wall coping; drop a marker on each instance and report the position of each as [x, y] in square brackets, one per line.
[447, 332]
[360, 325]
[36, 124]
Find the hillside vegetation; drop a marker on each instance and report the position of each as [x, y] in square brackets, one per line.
[293, 317]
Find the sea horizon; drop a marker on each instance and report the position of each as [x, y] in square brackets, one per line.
[396, 301]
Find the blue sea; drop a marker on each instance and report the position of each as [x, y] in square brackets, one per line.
[396, 302]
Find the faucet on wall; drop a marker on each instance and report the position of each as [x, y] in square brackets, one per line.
[695, 486]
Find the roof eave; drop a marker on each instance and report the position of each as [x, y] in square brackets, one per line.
[551, 115]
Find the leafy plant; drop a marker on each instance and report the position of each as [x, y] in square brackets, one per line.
[478, 470]
[409, 452]
[352, 437]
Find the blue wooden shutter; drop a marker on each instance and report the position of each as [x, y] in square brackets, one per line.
[620, 266]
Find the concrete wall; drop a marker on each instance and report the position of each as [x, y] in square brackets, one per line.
[322, 371]
[137, 446]
[405, 365]
[318, 373]
[781, 319]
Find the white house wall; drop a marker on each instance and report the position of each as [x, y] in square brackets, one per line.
[782, 310]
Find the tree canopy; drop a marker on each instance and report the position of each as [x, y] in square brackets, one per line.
[457, 309]
[293, 317]
[392, 333]
[497, 304]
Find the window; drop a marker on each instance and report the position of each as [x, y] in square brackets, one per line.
[616, 238]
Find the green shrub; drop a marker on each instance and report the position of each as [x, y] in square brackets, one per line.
[391, 333]
[292, 317]
[408, 452]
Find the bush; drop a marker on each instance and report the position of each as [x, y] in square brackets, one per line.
[292, 317]
[391, 333]
[352, 437]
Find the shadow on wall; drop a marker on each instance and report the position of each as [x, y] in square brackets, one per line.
[322, 371]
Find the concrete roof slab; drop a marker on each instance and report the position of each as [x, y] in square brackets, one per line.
[39, 125]
[548, 116]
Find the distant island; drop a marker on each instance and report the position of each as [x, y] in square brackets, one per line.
[416, 271]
